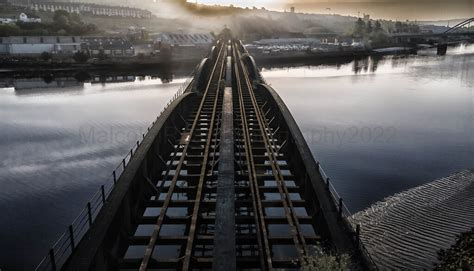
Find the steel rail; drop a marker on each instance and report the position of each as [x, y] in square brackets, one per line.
[204, 166]
[286, 200]
[265, 255]
[154, 237]
[275, 155]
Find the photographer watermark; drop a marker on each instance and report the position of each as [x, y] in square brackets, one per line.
[115, 135]
[351, 135]
[324, 135]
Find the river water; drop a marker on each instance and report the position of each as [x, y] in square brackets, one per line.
[378, 126]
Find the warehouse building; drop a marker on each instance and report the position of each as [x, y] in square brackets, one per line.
[36, 45]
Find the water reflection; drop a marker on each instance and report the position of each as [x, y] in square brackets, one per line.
[25, 80]
[378, 125]
[365, 65]
[59, 140]
[435, 67]
[382, 125]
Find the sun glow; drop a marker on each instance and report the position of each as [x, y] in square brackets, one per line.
[241, 3]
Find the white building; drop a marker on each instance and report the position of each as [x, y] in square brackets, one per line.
[89, 8]
[288, 41]
[23, 17]
[185, 40]
[109, 46]
[7, 21]
[29, 18]
[36, 45]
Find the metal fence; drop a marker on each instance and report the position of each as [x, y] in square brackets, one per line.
[344, 215]
[67, 242]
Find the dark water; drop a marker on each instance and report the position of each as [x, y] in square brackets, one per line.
[58, 145]
[383, 126]
[377, 126]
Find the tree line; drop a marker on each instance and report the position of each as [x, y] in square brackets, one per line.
[63, 24]
[377, 31]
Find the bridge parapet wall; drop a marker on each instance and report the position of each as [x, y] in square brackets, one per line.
[118, 218]
[316, 184]
[252, 69]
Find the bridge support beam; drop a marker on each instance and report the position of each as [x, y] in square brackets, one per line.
[224, 240]
[442, 49]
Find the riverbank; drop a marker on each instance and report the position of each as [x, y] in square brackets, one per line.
[294, 57]
[27, 64]
[16, 64]
[406, 230]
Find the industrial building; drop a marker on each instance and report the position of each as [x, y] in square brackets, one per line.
[202, 40]
[36, 45]
[108, 46]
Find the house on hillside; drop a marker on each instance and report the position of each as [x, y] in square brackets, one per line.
[29, 18]
[108, 46]
[23, 17]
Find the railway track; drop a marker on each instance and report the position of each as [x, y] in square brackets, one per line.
[222, 181]
[267, 200]
[186, 190]
[271, 187]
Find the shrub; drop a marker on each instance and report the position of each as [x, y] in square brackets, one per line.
[45, 56]
[460, 256]
[324, 261]
[81, 57]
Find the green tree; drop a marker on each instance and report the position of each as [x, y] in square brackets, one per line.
[378, 26]
[325, 262]
[398, 27]
[60, 13]
[459, 256]
[75, 18]
[80, 57]
[45, 56]
[359, 28]
[9, 30]
[102, 55]
[379, 38]
[369, 27]
[62, 22]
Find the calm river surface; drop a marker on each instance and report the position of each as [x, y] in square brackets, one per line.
[377, 126]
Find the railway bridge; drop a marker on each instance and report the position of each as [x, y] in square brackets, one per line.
[223, 180]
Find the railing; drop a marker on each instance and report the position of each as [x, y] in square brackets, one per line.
[67, 242]
[344, 212]
[344, 215]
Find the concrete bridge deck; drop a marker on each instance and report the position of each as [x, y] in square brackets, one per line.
[223, 180]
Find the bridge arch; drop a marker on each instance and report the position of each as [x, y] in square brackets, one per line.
[252, 68]
[200, 78]
[242, 47]
[460, 25]
[214, 53]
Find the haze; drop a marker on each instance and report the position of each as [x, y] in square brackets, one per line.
[387, 9]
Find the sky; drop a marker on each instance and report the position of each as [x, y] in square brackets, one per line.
[380, 9]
